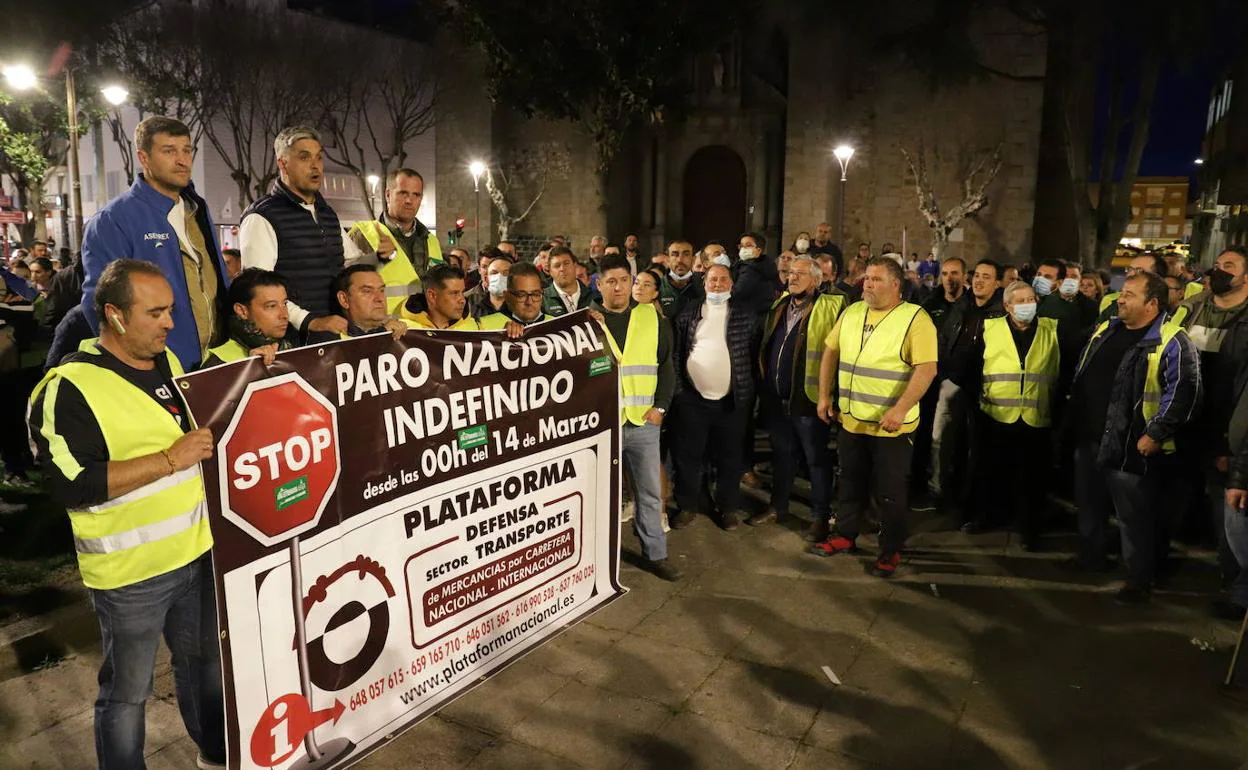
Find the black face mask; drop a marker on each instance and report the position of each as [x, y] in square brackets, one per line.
[1220, 281]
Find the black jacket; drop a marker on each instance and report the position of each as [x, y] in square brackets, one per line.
[1225, 381]
[755, 285]
[1124, 419]
[743, 333]
[960, 334]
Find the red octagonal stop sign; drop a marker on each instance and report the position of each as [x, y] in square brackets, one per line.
[278, 460]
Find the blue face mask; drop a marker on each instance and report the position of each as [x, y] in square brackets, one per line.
[498, 284]
[1024, 312]
[718, 297]
[1042, 285]
[1069, 287]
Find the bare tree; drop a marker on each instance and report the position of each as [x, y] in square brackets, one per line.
[384, 97]
[974, 194]
[531, 169]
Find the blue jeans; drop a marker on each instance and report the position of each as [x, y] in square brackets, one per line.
[1144, 524]
[791, 435]
[1236, 522]
[181, 605]
[641, 460]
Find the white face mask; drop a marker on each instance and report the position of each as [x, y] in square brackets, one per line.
[718, 297]
[723, 259]
[498, 284]
[1069, 287]
[679, 277]
[748, 252]
[803, 244]
[1024, 313]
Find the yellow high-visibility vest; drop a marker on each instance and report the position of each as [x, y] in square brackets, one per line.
[230, 350]
[828, 308]
[639, 364]
[1150, 399]
[421, 321]
[1192, 289]
[495, 321]
[1107, 300]
[398, 273]
[152, 530]
[1014, 390]
[872, 375]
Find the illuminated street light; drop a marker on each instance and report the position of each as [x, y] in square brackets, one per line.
[20, 77]
[1199, 161]
[477, 168]
[843, 153]
[115, 95]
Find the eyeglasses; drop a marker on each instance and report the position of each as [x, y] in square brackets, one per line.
[532, 296]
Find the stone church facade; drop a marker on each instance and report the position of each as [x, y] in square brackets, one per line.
[753, 148]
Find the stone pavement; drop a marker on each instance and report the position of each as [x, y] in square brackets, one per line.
[977, 655]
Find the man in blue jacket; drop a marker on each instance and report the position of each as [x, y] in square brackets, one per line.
[1137, 384]
[161, 219]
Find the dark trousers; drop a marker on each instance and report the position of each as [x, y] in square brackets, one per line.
[15, 389]
[702, 428]
[921, 462]
[1013, 469]
[1144, 522]
[794, 438]
[874, 468]
[1095, 504]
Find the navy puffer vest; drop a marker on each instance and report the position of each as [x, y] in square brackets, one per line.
[309, 253]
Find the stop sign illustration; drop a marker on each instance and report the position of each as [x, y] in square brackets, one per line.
[278, 461]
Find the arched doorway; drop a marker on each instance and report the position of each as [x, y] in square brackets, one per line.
[714, 196]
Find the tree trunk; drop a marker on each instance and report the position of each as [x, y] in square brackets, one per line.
[37, 209]
[598, 220]
[244, 190]
[504, 227]
[25, 232]
[940, 243]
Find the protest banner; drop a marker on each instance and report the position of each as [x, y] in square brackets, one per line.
[394, 521]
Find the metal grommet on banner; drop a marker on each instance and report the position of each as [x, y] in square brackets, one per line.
[185, 385]
[320, 351]
[224, 635]
[615, 462]
[428, 334]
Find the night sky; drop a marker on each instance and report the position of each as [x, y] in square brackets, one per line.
[1179, 112]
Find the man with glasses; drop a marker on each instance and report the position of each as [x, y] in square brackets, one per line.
[524, 299]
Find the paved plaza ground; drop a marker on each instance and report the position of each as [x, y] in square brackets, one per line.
[977, 655]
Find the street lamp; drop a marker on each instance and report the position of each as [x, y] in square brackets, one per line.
[843, 153]
[477, 168]
[22, 78]
[1199, 161]
[115, 95]
[373, 181]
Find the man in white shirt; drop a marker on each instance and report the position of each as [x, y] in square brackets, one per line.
[294, 232]
[716, 347]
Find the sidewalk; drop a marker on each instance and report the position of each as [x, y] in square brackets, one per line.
[977, 655]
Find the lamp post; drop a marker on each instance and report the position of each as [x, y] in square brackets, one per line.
[22, 78]
[373, 180]
[477, 168]
[843, 153]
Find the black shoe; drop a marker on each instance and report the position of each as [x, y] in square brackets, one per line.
[729, 520]
[974, 527]
[1225, 609]
[1132, 596]
[758, 519]
[663, 570]
[681, 520]
[817, 532]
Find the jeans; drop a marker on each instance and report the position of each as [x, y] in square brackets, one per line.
[1092, 497]
[1228, 561]
[1144, 522]
[874, 468]
[1236, 523]
[181, 605]
[641, 460]
[791, 435]
[947, 422]
[702, 428]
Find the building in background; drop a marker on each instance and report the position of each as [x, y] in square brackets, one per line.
[1158, 211]
[1222, 215]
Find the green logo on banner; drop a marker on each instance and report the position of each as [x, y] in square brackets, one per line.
[291, 492]
[472, 437]
[600, 365]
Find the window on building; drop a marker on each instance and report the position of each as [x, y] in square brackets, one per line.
[1155, 194]
[1133, 229]
[1172, 229]
[1152, 212]
[1173, 212]
[1150, 230]
[1135, 211]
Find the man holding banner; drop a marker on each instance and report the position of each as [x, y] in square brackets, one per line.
[361, 296]
[117, 451]
[444, 301]
[524, 299]
[643, 347]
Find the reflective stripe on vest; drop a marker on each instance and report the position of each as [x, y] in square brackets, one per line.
[230, 350]
[872, 375]
[1107, 300]
[639, 364]
[1150, 401]
[1192, 289]
[400, 276]
[1012, 391]
[151, 530]
[823, 317]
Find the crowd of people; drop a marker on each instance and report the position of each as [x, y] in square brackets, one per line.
[894, 385]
